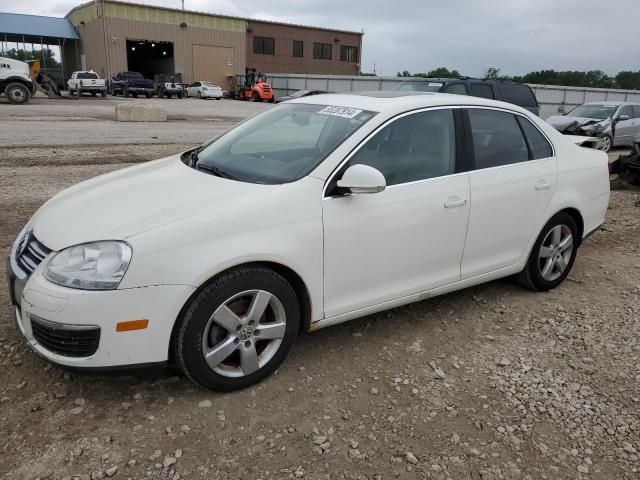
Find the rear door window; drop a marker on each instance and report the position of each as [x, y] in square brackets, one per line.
[497, 138]
[636, 111]
[481, 90]
[538, 144]
[456, 88]
[517, 94]
[626, 110]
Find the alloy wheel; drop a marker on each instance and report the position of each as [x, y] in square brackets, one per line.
[244, 333]
[605, 143]
[555, 252]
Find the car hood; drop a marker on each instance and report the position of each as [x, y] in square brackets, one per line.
[133, 200]
[562, 122]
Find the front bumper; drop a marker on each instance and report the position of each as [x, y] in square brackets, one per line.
[66, 308]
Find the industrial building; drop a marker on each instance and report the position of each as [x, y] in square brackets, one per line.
[112, 36]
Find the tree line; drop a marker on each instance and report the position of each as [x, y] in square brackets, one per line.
[627, 80]
[45, 55]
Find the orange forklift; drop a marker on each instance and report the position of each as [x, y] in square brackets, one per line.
[253, 87]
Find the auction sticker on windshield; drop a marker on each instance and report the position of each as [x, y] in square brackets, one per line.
[343, 112]
[434, 84]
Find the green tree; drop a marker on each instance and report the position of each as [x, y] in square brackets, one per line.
[628, 80]
[45, 55]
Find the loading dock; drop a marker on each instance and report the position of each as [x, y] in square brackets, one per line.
[150, 57]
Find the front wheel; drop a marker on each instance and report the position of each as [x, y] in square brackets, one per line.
[238, 330]
[552, 255]
[17, 93]
[606, 143]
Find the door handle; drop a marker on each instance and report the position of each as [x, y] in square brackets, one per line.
[543, 185]
[453, 202]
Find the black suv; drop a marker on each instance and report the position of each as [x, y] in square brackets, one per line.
[516, 93]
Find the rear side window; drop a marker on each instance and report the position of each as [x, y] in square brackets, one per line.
[538, 144]
[626, 110]
[480, 90]
[457, 88]
[517, 94]
[497, 138]
[636, 111]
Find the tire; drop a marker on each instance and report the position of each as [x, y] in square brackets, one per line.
[219, 98]
[179, 95]
[560, 240]
[235, 368]
[93, 94]
[17, 93]
[606, 144]
[147, 94]
[256, 97]
[125, 93]
[168, 95]
[199, 95]
[135, 95]
[103, 94]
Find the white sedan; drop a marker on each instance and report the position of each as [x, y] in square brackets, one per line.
[204, 90]
[314, 212]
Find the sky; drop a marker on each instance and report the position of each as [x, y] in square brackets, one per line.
[517, 36]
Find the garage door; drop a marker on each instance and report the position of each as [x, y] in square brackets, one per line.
[213, 64]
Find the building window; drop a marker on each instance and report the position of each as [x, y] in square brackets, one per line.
[263, 45]
[348, 54]
[322, 51]
[298, 48]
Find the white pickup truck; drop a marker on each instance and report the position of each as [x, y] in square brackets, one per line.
[87, 81]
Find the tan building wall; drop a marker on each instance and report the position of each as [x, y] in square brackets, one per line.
[283, 60]
[105, 26]
[137, 22]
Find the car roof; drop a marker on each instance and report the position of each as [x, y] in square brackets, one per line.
[611, 103]
[394, 102]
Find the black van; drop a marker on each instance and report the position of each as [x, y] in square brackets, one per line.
[516, 93]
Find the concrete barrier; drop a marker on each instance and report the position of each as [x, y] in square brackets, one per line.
[140, 112]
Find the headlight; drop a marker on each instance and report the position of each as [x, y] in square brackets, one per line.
[90, 266]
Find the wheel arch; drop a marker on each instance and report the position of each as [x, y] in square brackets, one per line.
[577, 217]
[295, 280]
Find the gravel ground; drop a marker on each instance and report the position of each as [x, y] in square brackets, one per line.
[493, 382]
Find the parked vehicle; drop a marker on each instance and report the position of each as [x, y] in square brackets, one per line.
[313, 212]
[204, 90]
[253, 87]
[167, 85]
[628, 166]
[15, 82]
[300, 94]
[86, 82]
[510, 92]
[131, 83]
[616, 123]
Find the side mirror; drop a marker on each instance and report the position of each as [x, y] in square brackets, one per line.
[362, 179]
[622, 118]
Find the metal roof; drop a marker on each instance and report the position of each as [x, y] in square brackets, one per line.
[246, 19]
[36, 26]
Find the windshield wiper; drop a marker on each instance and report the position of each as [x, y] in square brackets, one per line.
[193, 157]
[215, 171]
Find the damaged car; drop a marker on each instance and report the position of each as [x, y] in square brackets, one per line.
[627, 167]
[616, 123]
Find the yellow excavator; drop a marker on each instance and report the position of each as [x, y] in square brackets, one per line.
[43, 81]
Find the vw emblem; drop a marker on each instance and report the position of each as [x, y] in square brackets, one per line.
[246, 333]
[22, 244]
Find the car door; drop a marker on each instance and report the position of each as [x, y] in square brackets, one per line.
[513, 179]
[192, 90]
[626, 128]
[409, 237]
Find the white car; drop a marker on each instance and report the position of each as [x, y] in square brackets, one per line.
[204, 90]
[314, 212]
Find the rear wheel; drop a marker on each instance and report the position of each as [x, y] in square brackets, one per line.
[147, 94]
[93, 94]
[17, 93]
[238, 330]
[553, 254]
[103, 94]
[256, 97]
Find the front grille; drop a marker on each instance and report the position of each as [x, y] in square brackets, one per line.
[67, 340]
[30, 253]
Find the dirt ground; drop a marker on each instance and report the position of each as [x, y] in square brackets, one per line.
[531, 385]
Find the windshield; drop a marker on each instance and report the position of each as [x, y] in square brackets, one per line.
[418, 87]
[600, 112]
[208, 84]
[87, 75]
[282, 144]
